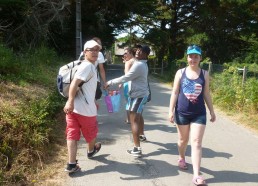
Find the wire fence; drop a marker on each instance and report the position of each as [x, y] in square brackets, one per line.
[242, 71]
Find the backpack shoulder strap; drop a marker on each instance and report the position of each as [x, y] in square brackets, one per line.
[91, 74]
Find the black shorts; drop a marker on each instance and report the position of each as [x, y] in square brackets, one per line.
[186, 120]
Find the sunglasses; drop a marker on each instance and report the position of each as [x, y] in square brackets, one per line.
[191, 47]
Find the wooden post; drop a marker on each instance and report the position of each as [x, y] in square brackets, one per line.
[244, 76]
[162, 66]
[210, 67]
[78, 29]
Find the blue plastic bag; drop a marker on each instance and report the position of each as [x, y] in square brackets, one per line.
[112, 100]
[115, 99]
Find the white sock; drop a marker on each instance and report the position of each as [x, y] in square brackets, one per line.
[72, 162]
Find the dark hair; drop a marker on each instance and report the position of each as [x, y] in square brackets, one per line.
[144, 48]
[97, 39]
[130, 50]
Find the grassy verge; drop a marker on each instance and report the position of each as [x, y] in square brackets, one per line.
[31, 132]
[239, 101]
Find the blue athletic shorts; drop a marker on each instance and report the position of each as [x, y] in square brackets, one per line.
[186, 120]
[136, 104]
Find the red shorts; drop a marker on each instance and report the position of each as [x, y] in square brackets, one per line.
[77, 124]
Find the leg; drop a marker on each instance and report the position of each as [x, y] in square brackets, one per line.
[183, 137]
[72, 165]
[72, 150]
[135, 120]
[72, 136]
[91, 145]
[197, 132]
[89, 128]
[141, 125]
[128, 117]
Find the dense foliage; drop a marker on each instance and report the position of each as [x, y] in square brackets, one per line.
[237, 95]
[225, 29]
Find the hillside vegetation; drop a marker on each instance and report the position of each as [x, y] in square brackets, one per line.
[29, 104]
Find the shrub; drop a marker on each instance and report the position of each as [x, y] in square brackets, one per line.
[8, 61]
[229, 92]
[29, 103]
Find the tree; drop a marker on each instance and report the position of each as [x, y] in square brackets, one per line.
[226, 23]
[30, 21]
[165, 26]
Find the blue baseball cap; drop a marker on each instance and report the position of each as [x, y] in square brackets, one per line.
[194, 49]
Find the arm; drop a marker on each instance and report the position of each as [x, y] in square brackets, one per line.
[101, 61]
[133, 73]
[174, 96]
[69, 106]
[128, 65]
[102, 72]
[207, 97]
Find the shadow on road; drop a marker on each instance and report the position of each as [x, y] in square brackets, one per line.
[230, 176]
[146, 169]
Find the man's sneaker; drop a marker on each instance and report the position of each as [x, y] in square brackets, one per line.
[136, 152]
[96, 149]
[70, 168]
[142, 138]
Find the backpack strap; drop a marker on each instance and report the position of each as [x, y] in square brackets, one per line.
[80, 85]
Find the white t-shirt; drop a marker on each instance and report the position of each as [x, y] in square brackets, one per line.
[87, 73]
[100, 59]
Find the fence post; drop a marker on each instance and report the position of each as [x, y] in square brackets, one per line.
[210, 67]
[244, 76]
[162, 66]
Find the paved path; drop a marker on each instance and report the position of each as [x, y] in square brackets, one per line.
[230, 152]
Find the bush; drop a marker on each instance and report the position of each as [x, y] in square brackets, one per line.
[229, 93]
[8, 61]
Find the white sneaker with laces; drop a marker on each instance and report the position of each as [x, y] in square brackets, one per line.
[136, 152]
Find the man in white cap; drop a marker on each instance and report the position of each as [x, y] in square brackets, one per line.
[80, 107]
[99, 64]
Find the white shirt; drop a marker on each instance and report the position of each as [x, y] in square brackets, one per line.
[87, 73]
[100, 60]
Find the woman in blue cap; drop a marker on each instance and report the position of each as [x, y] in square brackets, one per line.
[187, 109]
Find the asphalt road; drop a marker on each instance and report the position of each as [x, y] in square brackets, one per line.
[230, 151]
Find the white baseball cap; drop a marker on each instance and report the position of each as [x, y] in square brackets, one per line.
[91, 44]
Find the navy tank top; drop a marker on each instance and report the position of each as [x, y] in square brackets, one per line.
[190, 100]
